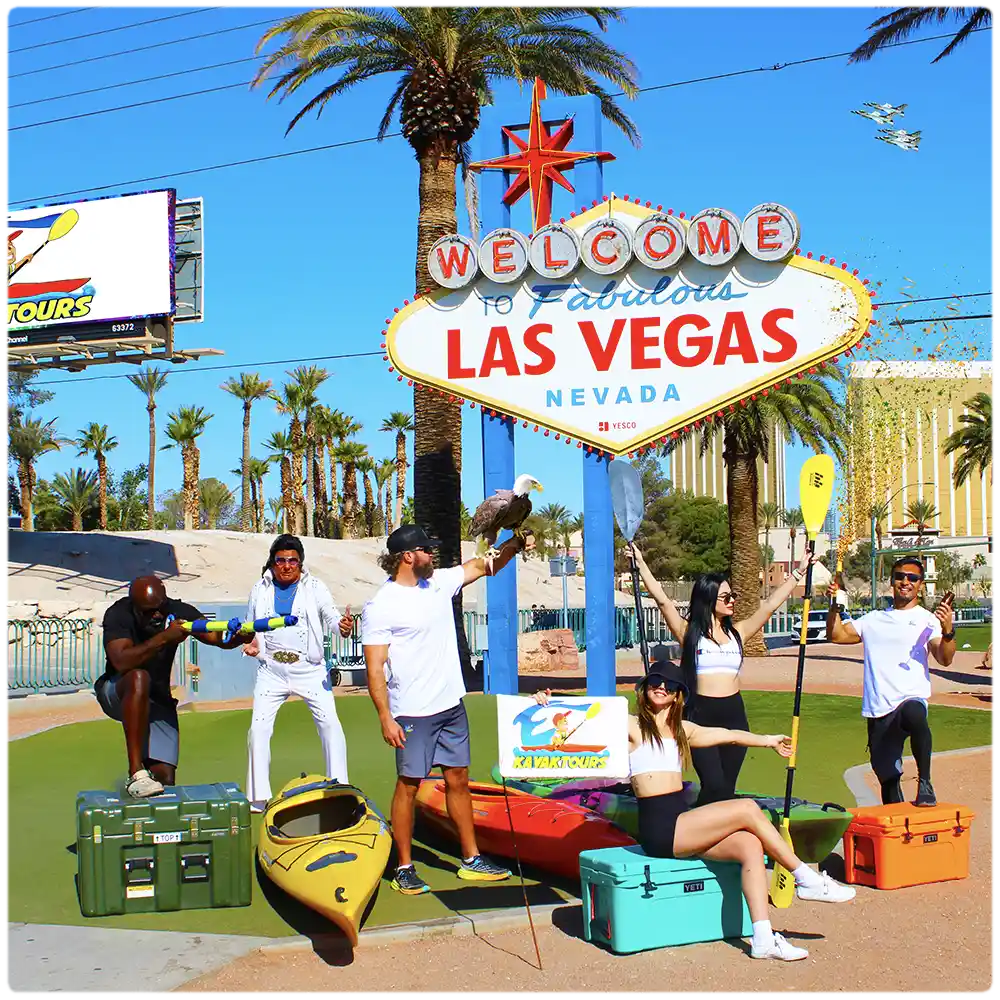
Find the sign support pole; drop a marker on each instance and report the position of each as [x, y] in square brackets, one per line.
[498, 449]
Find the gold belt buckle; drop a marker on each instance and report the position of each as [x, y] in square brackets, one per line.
[286, 656]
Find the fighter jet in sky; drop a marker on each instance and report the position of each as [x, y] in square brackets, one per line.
[908, 140]
[900, 133]
[887, 109]
[876, 116]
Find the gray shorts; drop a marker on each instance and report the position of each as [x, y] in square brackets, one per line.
[162, 742]
[440, 740]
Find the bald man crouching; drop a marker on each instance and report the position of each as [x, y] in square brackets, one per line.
[135, 687]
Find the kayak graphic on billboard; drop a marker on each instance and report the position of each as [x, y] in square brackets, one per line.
[91, 261]
[568, 736]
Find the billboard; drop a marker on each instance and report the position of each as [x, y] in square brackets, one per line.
[84, 263]
[624, 325]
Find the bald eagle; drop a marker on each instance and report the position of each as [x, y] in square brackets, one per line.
[505, 509]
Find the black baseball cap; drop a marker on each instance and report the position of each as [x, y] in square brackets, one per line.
[408, 537]
[666, 671]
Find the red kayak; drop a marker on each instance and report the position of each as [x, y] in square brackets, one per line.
[550, 833]
[570, 747]
[29, 289]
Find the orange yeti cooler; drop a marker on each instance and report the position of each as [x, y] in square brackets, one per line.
[893, 846]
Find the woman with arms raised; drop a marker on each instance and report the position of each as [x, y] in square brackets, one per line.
[659, 741]
[711, 660]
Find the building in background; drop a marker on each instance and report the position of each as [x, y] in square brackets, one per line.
[705, 475]
[911, 408]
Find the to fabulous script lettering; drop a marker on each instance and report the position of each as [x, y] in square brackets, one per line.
[686, 340]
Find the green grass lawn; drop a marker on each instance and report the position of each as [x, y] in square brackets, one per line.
[977, 636]
[46, 771]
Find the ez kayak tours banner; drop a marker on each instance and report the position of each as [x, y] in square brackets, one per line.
[91, 261]
[570, 737]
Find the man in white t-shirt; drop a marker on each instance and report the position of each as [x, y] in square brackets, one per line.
[415, 681]
[897, 679]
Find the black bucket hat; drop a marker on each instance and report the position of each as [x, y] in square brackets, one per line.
[666, 671]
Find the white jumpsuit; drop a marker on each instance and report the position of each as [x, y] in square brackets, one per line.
[307, 677]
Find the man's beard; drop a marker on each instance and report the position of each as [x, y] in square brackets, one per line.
[424, 572]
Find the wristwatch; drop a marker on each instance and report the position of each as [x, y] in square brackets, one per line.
[797, 573]
[948, 635]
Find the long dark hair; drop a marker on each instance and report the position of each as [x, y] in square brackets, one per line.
[281, 544]
[701, 614]
[649, 731]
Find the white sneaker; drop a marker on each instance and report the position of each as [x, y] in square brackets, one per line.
[781, 949]
[828, 891]
[142, 784]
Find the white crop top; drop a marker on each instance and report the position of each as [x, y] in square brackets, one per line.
[713, 659]
[649, 757]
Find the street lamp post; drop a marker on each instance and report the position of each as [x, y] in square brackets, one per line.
[906, 486]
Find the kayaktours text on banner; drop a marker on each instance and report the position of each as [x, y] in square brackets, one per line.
[568, 737]
[91, 261]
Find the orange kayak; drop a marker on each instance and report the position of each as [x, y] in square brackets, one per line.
[550, 833]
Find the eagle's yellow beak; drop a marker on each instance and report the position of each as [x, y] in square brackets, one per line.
[538, 486]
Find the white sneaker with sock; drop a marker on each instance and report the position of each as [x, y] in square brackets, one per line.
[142, 784]
[825, 890]
[780, 949]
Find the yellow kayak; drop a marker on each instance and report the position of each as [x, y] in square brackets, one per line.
[327, 845]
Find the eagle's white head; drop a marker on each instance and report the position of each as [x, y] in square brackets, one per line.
[523, 485]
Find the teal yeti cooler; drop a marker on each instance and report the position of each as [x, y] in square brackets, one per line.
[188, 848]
[632, 902]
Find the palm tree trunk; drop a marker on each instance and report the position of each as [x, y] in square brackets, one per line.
[350, 500]
[246, 513]
[334, 525]
[287, 493]
[151, 471]
[400, 478]
[102, 491]
[295, 511]
[388, 498]
[437, 445]
[767, 568]
[310, 480]
[192, 460]
[253, 501]
[322, 512]
[77, 521]
[26, 477]
[745, 551]
[369, 506]
[259, 508]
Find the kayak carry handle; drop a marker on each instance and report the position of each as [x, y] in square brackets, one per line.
[833, 805]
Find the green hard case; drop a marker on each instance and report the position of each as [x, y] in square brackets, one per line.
[188, 848]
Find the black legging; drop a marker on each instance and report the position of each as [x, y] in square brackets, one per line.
[718, 767]
[886, 736]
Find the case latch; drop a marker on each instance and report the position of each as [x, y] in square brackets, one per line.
[202, 861]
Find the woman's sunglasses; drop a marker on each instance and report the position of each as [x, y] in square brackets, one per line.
[729, 598]
[654, 681]
[286, 561]
[912, 577]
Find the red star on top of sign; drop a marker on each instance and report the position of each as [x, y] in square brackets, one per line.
[539, 161]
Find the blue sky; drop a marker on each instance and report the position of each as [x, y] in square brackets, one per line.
[280, 284]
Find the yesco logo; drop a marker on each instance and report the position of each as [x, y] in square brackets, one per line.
[713, 236]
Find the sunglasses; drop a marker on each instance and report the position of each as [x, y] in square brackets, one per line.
[912, 577]
[287, 561]
[654, 681]
[425, 549]
[729, 598]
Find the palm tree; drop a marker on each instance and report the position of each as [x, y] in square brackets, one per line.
[401, 423]
[921, 513]
[769, 513]
[309, 379]
[383, 477]
[445, 62]
[259, 468]
[974, 441]
[291, 402]
[879, 512]
[150, 382]
[901, 23]
[577, 525]
[75, 491]
[248, 388]
[280, 444]
[366, 465]
[274, 505]
[791, 518]
[349, 454]
[30, 439]
[342, 427]
[326, 423]
[95, 440]
[215, 497]
[805, 409]
[185, 427]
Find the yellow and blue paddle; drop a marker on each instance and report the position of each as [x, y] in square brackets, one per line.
[815, 493]
[57, 231]
[235, 627]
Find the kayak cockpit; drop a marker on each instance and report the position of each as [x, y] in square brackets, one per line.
[322, 816]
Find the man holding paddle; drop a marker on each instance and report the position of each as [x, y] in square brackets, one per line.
[415, 681]
[897, 680]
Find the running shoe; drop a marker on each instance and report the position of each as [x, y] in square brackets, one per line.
[828, 891]
[407, 881]
[479, 869]
[142, 784]
[925, 793]
[780, 949]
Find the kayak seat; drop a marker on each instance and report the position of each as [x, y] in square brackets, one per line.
[314, 819]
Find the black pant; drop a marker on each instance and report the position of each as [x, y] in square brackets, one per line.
[718, 767]
[886, 736]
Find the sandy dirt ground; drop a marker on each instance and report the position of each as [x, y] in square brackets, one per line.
[932, 937]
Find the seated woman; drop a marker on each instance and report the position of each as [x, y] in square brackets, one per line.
[735, 830]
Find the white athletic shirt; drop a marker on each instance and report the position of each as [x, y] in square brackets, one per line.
[424, 673]
[895, 647]
[726, 658]
[647, 758]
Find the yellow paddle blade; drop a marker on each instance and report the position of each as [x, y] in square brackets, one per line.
[64, 223]
[593, 710]
[815, 492]
[782, 883]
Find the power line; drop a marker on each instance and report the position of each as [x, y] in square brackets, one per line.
[372, 354]
[108, 31]
[934, 319]
[51, 17]
[222, 368]
[937, 298]
[142, 48]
